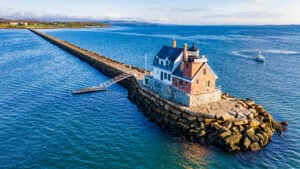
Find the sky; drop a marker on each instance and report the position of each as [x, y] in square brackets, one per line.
[183, 12]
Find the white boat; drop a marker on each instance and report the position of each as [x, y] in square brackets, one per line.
[259, 57]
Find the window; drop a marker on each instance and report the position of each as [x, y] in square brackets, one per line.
[197, 81]
[181, 82]
[161, 62]
[146, 81]
[207, 83]
[169, 77]
[161, 75]
[165, 77]
[187, 66]
[204, 71]
[167, 63]
[156, 60]
[186, 84]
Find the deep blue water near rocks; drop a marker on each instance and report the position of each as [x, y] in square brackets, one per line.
[42, 125]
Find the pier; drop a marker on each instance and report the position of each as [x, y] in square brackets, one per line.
[103, 86]
[234, 130]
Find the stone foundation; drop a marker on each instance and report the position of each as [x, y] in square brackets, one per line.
[172, 93]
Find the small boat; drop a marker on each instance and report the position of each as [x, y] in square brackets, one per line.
[259, 57]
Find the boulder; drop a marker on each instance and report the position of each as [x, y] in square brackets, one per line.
[242, 122]
[268, 120]
[227, 124]
[166, 120]
[252, 110]
[200, 119]
[209, 116]
[194, 125]
[266, 138]
[202, 133]
[232, 140]
[225, 117]
[174, 117]
[232, 113]
[262, 140]
[163, 113]
[250, 102]
[235, 129]
[241, 128]
[184, 115]
[269, 132]
[207, 121]
[192, 132]
[254, 146]
[233, 149]
[202, 125]
[278, 126]
[166, 107]
[157, 110]
[259, 107]
[184, 121]
[191, 118]
[177, 112]
[254, 123]
[225, 134]
[285, 123]
[216, 126]
[240, 116]
[263, 126]
[211, 137]
[246, 143]
[260, 136]
[251, 134]
[243, 104]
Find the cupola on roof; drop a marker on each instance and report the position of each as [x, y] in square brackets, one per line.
[193, 48]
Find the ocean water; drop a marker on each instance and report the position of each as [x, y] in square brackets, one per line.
[42, 125]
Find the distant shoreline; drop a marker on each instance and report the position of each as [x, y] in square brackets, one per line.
[24, 24]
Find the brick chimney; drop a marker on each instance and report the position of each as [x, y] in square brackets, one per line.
[174, 43]
[185, 54]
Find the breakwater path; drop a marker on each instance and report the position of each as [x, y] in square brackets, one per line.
[92, 58]
[232, 124]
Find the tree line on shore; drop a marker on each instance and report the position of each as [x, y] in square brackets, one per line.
[21, 24]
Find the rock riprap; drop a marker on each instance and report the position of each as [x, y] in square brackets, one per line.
[247, 126]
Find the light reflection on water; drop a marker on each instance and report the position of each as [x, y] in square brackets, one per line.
[44, 126]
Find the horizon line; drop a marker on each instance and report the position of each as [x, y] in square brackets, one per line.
[139, 22]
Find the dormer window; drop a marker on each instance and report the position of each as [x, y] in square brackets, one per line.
[161, 62]
[156, 61]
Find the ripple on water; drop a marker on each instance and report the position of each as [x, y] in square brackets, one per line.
[44, 126]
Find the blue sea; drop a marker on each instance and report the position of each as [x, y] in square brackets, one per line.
[42, 125]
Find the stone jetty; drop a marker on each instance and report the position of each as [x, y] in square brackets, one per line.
[232, 124]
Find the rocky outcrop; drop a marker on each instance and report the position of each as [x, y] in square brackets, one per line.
[246, 126]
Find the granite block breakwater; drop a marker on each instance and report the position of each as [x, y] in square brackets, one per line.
[246, 126]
